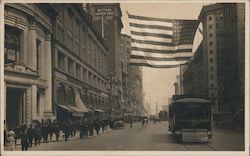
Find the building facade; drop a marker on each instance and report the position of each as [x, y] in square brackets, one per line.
[80, 61]
[223, 26]
[106, 17]
[27, 64]
[125, 51]
[194, 77]
[135, 93]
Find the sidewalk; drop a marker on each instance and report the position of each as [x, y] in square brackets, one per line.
[53, 140]
[236, 130]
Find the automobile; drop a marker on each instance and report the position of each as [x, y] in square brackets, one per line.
[151, 117]
[157, 120]
[119, 124]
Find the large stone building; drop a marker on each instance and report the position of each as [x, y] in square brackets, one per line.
[80, 63]
[194, 77]
[223, 45]
[107, 19]
[27, 64]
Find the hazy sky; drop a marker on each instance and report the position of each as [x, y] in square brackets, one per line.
[158, 83]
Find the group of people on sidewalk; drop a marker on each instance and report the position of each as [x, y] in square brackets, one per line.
[42, 131]
[39, 132]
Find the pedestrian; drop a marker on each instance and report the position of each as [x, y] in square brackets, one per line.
[11, 139]
[56, 129]
[30, 134]
[66, 130]
[143, 123]
[5, 138]
[37, 134]
[91, 128]
[97, 126]
[86, 130]
[82, 131]
[103, 125]
[45, 132]
[17, 133]
[131, 123]
[50, 130]
[24, 138]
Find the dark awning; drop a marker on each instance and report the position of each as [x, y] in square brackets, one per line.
[69, 108]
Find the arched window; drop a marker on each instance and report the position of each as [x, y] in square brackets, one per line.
[12, 45]
[71, 96]
[61, 93]
[84, 97]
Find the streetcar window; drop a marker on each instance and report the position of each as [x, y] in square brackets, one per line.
[192, 112]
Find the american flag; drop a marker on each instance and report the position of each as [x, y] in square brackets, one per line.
[161, 43]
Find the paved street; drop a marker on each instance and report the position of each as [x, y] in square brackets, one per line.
[153, 137]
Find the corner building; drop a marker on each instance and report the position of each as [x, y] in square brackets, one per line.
[27, 62]
[80, 59]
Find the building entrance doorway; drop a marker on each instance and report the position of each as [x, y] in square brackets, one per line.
[14, 106]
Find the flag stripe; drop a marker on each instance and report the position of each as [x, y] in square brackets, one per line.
[159, 58]
[161, 55]
[151, 38]
[144, 22]
[151, 34]
[148, 18]
[158, 63]
[153, 66]
[161, 51]
[161, 47]
[151, 42]
[150, 26]
[155, 31]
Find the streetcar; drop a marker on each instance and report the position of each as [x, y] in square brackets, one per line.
[190, 118]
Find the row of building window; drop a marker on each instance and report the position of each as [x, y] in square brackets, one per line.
[79, 72]
[217, 18]
[80, 41]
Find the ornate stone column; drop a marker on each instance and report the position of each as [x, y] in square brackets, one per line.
[33, 101]
[27, 106]
[43, 56]
[48, 76]
[32, 44]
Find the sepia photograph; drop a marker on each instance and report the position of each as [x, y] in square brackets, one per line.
[146, 77]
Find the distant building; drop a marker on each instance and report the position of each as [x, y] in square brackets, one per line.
[223, 40]
[125, 51]
[135, 89]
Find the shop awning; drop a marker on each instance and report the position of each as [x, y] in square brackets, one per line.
[68, 108]
[80, 105]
